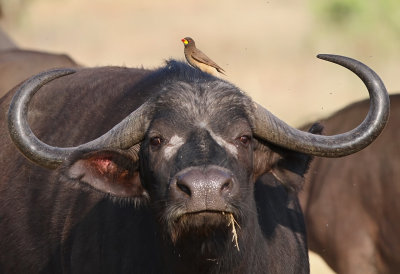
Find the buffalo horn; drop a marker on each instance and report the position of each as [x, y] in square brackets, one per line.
[271, 129]
[128, 132]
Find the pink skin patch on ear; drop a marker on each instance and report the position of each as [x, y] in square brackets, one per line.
[103, 165]
[107, 166]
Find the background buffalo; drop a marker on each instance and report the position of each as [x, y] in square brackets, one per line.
[351, 204]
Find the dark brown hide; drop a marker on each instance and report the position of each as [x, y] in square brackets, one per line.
[352, 205]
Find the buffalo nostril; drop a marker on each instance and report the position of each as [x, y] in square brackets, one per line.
[226, 187]
[184, 188]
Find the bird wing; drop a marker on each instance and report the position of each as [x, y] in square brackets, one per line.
[199, 56]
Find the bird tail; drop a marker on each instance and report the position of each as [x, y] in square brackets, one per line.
[220, 70]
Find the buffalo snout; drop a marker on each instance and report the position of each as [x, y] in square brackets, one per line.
[204, 188]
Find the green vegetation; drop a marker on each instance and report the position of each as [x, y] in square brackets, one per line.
[359, 15]
[368, 20]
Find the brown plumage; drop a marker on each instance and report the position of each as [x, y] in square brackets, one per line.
[198, 59]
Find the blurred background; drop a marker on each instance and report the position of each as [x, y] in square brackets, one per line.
[267, 47]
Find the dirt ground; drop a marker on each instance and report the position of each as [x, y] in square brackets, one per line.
[267, 47]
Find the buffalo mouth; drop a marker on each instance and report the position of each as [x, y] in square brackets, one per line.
[206, 228]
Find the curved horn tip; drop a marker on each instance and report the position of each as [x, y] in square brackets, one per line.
[324, 55]
[46, 76]
[344, 61]
[58, 72]
[331, 57]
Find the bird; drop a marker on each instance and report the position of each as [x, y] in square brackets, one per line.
[198, 59]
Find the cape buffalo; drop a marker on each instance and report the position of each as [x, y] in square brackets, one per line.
[172, 185]
[351, 205]
[18, 64]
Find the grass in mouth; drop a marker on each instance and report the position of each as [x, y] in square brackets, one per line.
[233, 223]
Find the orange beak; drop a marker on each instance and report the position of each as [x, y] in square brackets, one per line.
[185, 41]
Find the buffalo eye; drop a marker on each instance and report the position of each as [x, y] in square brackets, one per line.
[156, 141]
[244, 140]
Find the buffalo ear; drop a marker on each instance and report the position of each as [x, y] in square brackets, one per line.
[291, 166]
[288, 167]
[111, 172]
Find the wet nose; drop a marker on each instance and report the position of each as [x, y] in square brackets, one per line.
[204, 188]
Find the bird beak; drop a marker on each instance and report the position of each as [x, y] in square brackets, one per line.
[185, 41]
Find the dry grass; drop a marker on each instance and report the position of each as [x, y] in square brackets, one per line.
[233, 223]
